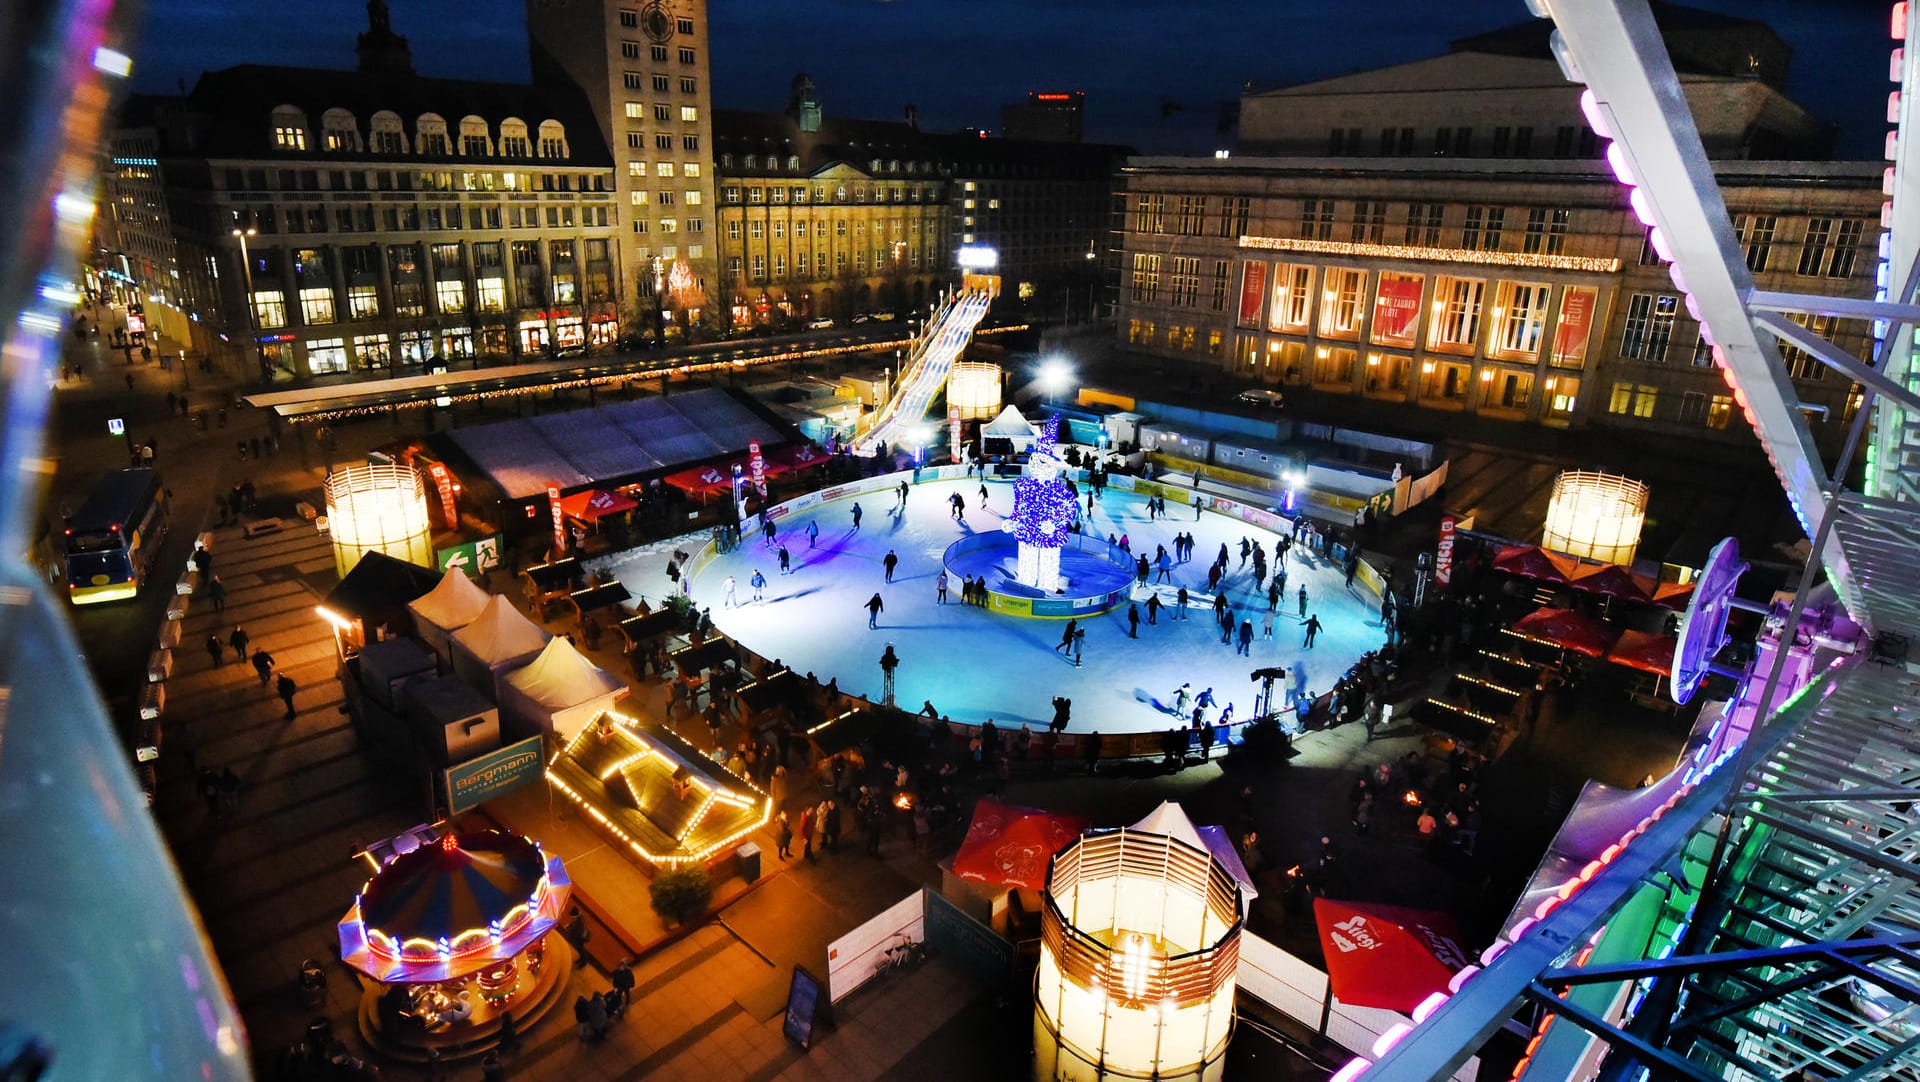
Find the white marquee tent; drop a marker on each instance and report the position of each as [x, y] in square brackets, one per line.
[448, 607]
[498, 640]
[559, 691]
[1171, 820]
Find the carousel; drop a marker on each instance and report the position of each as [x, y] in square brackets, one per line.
[453, 932]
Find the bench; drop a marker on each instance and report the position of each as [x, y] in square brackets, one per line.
[262, 528]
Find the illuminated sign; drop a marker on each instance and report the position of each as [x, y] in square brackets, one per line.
[1441, 255]
[759, 468]
[474, 782]
[1443, 553]
[559, 519]
[977, 257]
[443, 483]
[116, 426]
[1053, 97]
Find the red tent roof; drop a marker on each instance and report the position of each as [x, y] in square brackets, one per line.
[1668, 595]
[1612, 580]
[594, 503]
[1569, 629]
[701, 479]
[1387, 956]
[1645, 651]
[1010, 845]
[798, 457]
[1534, 562]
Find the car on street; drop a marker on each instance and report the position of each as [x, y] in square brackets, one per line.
[861, 318]
[1262, 396]
[819, 324]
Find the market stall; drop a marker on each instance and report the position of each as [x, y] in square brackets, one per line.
[1568, 630]
[657, 794]
[1003, 860]
[445, 609]
[370, 602]
[559, 691]
[499, 640]
[770, 698]
[552, 581]
[455, 933]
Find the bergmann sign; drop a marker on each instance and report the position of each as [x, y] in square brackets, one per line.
[476, 781]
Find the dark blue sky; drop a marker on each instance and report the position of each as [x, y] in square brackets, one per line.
[959, 60]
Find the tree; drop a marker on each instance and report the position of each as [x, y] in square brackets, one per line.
[680, 894]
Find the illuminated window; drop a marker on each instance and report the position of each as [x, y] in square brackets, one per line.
[363, 302]
[1519, 319]
[270, 308]
[1333, 367]
[1340, 306]
[1146, 276]
[1388, 374]
[1649, 327]
[1292, 306]
[326, 356]
[1637, 400]
[636, 111]
[689, 114]
[663, 169]
[450, 295]
[1454, 323]
[1504, 390]
[637, 198]
[490, 294]
[691, 169]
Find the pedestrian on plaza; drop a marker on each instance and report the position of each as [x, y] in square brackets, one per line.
[786, 561]
[622, 980]
[830, 826]
[940, 589]
[892, 561]
[1090, 751]
[216, 651]
[806, 835]
[574, 930]
[783, 836]
[582, 1026]
[1133, 621]
[759, 584]
[238, 640]
[1363, 814]
[285, 688]
[598, 1016]
[217, 593]
[263, 664]
[229, 791]
[875, 607]
[1313, 628]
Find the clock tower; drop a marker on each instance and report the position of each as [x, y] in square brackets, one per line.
[643, 65]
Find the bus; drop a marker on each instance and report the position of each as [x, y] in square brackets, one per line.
[113, 539]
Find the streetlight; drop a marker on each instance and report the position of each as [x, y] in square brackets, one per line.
[1055, 376]
[253, 316]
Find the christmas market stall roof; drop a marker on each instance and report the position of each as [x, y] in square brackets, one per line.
[653, 791]
[377, 591]
[614, 444]
[1010, 425]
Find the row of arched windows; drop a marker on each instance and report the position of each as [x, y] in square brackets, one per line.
[473, 137]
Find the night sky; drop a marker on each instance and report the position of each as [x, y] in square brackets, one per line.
[959, 61]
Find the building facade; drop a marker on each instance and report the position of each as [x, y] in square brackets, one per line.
[645, 70]
[136, 260]
[1054, 116]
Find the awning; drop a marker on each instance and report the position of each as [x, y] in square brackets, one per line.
[701, 480]
[592, 505]
[1643, 650]
[1534, 562]
[1609, 580]
[1387, 956]
[800, 456]
[1010, 846]
[1568, 629]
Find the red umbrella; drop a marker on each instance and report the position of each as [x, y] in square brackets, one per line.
[1387, 956]
[1671, 595]
[1533, 562]
[1010, 845]
[1610, 580]
[1644, 650]
[1567, 628]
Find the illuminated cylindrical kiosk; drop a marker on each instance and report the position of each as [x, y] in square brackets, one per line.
[1596, 516]
[378, 509]
[1139, 945]
[974, 388]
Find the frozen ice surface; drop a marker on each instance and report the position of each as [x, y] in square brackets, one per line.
[974, 664]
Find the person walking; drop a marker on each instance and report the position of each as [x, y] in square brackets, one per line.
[783, 836]
[889, 661]
[1133, 621]
[216, 651]
[285, 688]
[1313, 628]
[598, 1018]
[875, 607]
[759, 584]
[1303, 601]
[622, 976]
[856, 518]
[238, 640]
[263, 664]
[940, 589]
[890, 563]
[786, 561]
[727, 595]
[217, 593]
[1066, 637]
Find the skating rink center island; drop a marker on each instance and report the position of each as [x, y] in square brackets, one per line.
[975, 663]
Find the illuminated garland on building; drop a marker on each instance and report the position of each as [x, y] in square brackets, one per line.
[1435, 255]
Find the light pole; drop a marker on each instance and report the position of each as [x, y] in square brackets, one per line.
[253, 317]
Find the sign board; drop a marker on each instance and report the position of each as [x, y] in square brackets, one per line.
[473, 557]
[559, 519]
[953, 431]
[759, 468]
[116, 426]
[1253, 287]
[443, 484]
[476, 781]
[977, 257]
[804, 997]
[1443, 553]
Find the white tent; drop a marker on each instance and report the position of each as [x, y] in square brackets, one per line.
[559, 691]
[1171, 820]
[448, 607]
[499, 639]
[1011, 425]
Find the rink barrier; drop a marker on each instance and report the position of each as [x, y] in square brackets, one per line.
[1048, 608]
[1070, 747]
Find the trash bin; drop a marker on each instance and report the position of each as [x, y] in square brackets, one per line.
[748, 857]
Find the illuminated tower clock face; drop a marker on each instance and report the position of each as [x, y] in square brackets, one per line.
[657, 21]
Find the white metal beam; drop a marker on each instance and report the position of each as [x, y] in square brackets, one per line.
[1762, 300]
[1835, 358]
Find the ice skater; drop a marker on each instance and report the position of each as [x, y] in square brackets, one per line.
[856, 518]
[892, 561]
[983, 495]
[1180, 604]
[1182, 699]
[813, 531]
[1079, 644]
[940, 589]
[786, 561]
[1303, 601]
[1133, 621]
[875, 607]
[1313, 628]
[759, 583]
[1066, 637]
[1246, 637]
[1165, 564]
[726, 597]
[1153, 608]
[959, 505]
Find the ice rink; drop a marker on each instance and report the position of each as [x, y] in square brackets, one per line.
[973, 664]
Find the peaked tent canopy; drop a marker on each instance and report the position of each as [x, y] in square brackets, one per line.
[1610, 580]
[1171, 820]
[1534, 562]
[1387, 956]
[1010, 846]
[501, 632]
[1010, 425]
[1568, 629]
[1644, 650]
[453, 604]
[560, 691]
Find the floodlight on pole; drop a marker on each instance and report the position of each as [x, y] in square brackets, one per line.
[1055, 376]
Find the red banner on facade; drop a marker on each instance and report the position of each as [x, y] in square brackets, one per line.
[953, 430]
[1253, 289]
[559, 520]
[1396, 310]
[1443, 553]
[1576, 318]
[759, 468]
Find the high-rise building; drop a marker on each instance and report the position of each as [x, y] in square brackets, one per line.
[644, 66]
[1052, 116]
